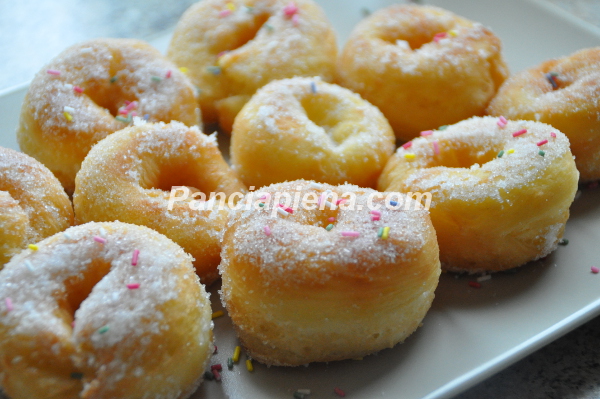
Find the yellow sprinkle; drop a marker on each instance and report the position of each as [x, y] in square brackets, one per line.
[236, 354]
[453, 33]
[510, 151]
[33, 247]
[68, 116]
[231, 6]
[410, 156]
[249, 365]
[218, 313]
[184, 69]
[386, 233]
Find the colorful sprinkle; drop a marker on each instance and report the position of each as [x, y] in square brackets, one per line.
[380, 232]
[77, 376]
[563, 241]
[393, 203]
[500, 153]
[261, 204]
[215, 70]
[33, 247]
[329, 227]
[217, 314]
[216, 367]
[113, 79]
[282, 212]
[350, 233]
[443, 127]
[340, 201]
[502, 121]
[295, 19]
[553, 135]
[436, 147]
[385, 233]
[519, 133]
[134, 257]
[331, 219]
[9, 304]
[121, 119]
[410, 156]
[224, 13]
[133, 286]
[426, 132]
[77, 89]
[485, 277]
[474, 284]
[540, 143]
[595, 270]
[313, 87]
[375, 212]
[511, 151]
[249, 366]
[236, 354]
[290, 10]
[229, 363]
[156, 79]
[215, 351]
[53, 72]
[286, 208]
[103, 330]
[29, 265]
[453, 33]
[439, 36]
[267, 230]
[407, 145]
[217, 375]
[100, 239]
[551, 77]
[183, 69]
[230, 6]
[315, 185]
[339, 392]
[66, 108]
[68, 116]
[168, 74]
[542, 153]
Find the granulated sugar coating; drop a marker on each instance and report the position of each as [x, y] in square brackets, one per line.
[500, 191]
[85, 310]
[93, 89]
[287, 290]
[129, 177]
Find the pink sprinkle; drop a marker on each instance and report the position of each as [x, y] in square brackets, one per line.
[131, 105]
[168, 75]
[426, 132]
[375, 212]
[216, 367]
[595, 270]
[502, 121]
[77, 89]
[436, 147]
[215, 351]
[73, 324]
[520, 132]
[340, 201]
[133, 286]
[224, 13]
[350, 233]
[407, 145]
[331, 219]
[552, 134]
[542, 142]
[295, 19]
[339, 392]
[291, 9]
[123, 111]
[264, 196]
[321, 198]
[134, 258]
[100, 239]
[267, 230]
[375, 218]
[474, 284]
[9, 304]
[286, 208]
[216, 374]
[53, 72]
[133, 113]
[439, 36]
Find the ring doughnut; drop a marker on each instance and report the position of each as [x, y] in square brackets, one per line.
[129, 176]
[33, 204]
[562, 93]
[422, 66]
[103, 311]
[299, 291]
[303, 128]
[93, 89]
[231, 48]
[500, 190]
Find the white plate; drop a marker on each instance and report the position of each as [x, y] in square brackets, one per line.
[469, 334]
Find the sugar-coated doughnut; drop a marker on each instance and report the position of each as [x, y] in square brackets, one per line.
[231, 48]
[323, 285]
[423, 66]
[304, 128]
[129, 177]
[500, 190]
[563, 93]
[93, 89]
[103, 311]
[33, 204]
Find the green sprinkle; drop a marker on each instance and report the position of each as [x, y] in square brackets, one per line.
[443, 127]
[298, 395]
[215, 70]
[554, 74]
[113, 79]
[121, 119]
[563, 241]
[542, 153]
[208, 376]
[76, 376]
[103, 330]
[261, 204]
[249, 9]
[269, 27]
[229, 363]
[500, 154]
[156, 79]
[329, 227]
[380, 232]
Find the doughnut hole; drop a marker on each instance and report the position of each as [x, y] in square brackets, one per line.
[324, 111]
[240, 34]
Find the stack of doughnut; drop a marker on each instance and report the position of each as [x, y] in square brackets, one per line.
[116, 307]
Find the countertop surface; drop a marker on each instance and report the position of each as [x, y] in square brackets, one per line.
[34, 31]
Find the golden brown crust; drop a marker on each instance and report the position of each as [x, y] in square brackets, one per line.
[394, 61]
[572, 107]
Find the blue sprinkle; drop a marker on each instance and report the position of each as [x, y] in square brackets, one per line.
[393, 203]
[313, 87]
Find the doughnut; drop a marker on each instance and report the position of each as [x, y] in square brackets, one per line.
[500, 190]
[563, 93]
[422, 66]
[304, 128]
[95, 88]
[129, 177]
[103, 311]
[302, 287]
[33, 204]
[231, 48]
